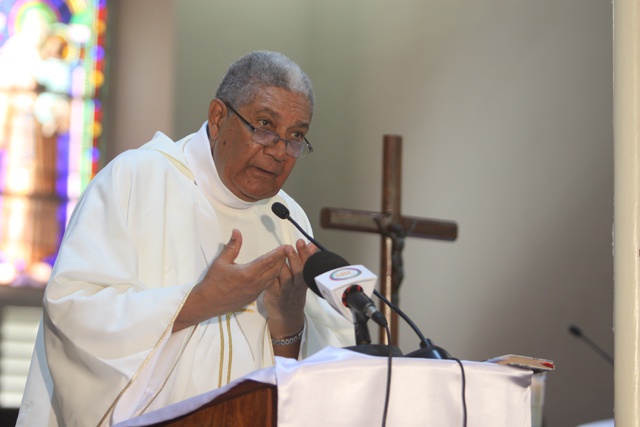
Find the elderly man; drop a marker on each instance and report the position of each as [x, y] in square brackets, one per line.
[174, 277]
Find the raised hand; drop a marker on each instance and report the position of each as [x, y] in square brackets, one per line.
[284, 299]
[228, 286]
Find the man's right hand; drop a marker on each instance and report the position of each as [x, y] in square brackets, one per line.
[227, 286]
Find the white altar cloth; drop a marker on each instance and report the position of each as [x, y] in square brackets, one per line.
[337, 387]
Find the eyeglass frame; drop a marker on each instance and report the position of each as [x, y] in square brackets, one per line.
[277, 139]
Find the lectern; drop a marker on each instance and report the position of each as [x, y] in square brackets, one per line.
[338, 387]
[248, 404]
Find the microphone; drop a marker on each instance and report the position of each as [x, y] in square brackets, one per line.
[282, 212]
[577, 332]
[352, 296]
[345, 287]
[324, 263]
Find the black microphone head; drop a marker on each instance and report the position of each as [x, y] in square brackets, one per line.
[575, 330]
[280, 210]
[319, 263]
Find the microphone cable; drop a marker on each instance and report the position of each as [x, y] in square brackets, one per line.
[403, 315]
[425, 343]
[389, 367]
[464, 391]
[388, 387]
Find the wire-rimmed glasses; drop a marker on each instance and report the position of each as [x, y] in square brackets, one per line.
[298, 148]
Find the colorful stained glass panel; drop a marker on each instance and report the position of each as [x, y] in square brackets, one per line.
[52, 77]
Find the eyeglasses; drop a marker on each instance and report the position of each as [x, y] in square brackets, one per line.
[298, 148]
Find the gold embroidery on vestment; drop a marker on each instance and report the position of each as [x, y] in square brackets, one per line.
[221, 352]
[167, 331]
[230, 347]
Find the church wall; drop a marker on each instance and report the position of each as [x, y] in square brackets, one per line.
[506, 113]
[141, 72]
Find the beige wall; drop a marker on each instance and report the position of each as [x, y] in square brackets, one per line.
[141, 72]
[506, 112]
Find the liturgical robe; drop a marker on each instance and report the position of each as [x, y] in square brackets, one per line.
[142, 235]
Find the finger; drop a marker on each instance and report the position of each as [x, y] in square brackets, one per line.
[268, 266]
[295, 259]
[289, 270]
[231, 250]
[305, 250]
[311, 248]
[275, 287]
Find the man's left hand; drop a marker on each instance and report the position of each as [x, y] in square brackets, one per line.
[285, 298]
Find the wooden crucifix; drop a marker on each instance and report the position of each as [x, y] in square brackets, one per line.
[393, 228]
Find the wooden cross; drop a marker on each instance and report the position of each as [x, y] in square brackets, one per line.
[393, 228]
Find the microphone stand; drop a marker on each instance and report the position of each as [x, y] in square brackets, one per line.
[363, 339]
[575, 330]
[429, 351]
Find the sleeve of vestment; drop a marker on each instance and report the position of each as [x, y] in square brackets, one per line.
[107, 321]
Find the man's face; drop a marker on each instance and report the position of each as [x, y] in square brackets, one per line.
[253, 172]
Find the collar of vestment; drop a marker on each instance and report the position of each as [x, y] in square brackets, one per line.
[197, 150]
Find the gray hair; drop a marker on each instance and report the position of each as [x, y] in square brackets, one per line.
[261, 69]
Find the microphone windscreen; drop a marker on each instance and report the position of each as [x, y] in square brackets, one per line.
[319, 263]
[575, 330]
[280, 210]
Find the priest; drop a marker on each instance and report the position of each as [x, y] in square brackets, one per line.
[174, 277]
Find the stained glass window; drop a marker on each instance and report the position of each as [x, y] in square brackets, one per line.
[52, 78]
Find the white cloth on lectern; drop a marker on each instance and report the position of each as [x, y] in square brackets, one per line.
[143, 233]
[337, 387]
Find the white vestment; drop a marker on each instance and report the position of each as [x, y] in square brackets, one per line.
[142, 235]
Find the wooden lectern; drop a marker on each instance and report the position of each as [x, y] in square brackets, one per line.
[248, 404]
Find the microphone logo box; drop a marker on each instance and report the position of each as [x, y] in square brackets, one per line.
[333, 284]
[345, 273]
